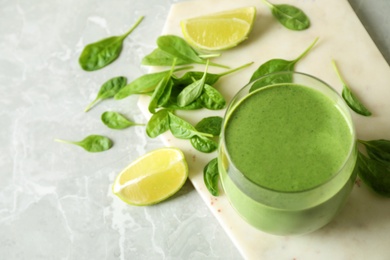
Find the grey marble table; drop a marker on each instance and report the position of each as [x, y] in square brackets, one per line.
[55, 199]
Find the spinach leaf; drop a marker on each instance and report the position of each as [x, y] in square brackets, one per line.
[145, 83]
[171, 47]
[158, 123]
[211, 125]
[92, 143]
[203, 144]
[376, 174]
[99, 54]
[159, 57]
[289, 16]
[192, 91]
[351, 100]
[182, 129]
[116, 120]
[211, 78]
[162, 91]
[211, 177]
[378, 149]
[108, 90]
[211, 98]
[277, 65]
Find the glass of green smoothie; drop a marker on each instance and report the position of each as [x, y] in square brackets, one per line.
[287, 153]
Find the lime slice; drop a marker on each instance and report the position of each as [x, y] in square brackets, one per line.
[219, 31]
[152, 178]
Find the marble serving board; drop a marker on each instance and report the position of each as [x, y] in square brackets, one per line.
[361, 230]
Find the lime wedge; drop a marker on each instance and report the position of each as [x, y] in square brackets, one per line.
[219, 31]
[152, 178]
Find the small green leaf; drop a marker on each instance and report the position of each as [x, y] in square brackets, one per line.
[277, 65]
[211, 177]
[116, 120]
[158, 123]
[192, 91]
[352, 101]
[289, 16]
[375, 174]
[211, 98]
[108, 90]
[92, 143]
[378, 149]
[182, 129]
[162, 92]
[99, 54]
[203, 144]
[159, 57]
[211, 125]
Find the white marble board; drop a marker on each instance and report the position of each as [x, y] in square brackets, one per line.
[361, 230]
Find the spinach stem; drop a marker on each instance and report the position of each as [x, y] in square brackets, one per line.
[211, 55]
[306, 51]
[236, 69]
[268, 3]
[91, 104]
[338, 73]
[217, 65]
[65, 141]
[133, 27]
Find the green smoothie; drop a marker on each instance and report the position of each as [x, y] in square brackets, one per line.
[284, 158]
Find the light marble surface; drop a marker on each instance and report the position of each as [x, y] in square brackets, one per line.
[55, 199]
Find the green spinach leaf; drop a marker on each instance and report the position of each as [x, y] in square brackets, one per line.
[211, 78]
[203, 144]
[192, 91]
[92, 143]
[351, 99]
[158, 123]
[211, 177]
[211, 98]
[162, 92]
[182, 129]
[108, 90]
[115, 120]
[376, 174]
[277, 65]
[378, 150]
[159, 57]
[289, 16]
[211, 125]
[99, 54]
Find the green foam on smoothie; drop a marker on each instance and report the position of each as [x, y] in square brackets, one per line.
[288, 138]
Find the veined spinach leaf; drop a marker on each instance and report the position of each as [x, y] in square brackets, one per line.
[203, 144]
[211, 177]
[277, 65]
[182, 129]
[211, 98]
[101, 53]
[162, 91]
[108, 90]
[211, 78]
[145, 83]
[350, 98]
[192, 91]
[159, 57]
[378, 150]
[92, 143]
[211, 125]
[289, 16]
[158, 123]
[376, 174]
[115, 120]
[170, 47]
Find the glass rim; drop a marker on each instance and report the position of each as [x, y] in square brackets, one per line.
[346, 112]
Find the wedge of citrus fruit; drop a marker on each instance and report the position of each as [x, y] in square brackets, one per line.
[152, 178]
[219, 31]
